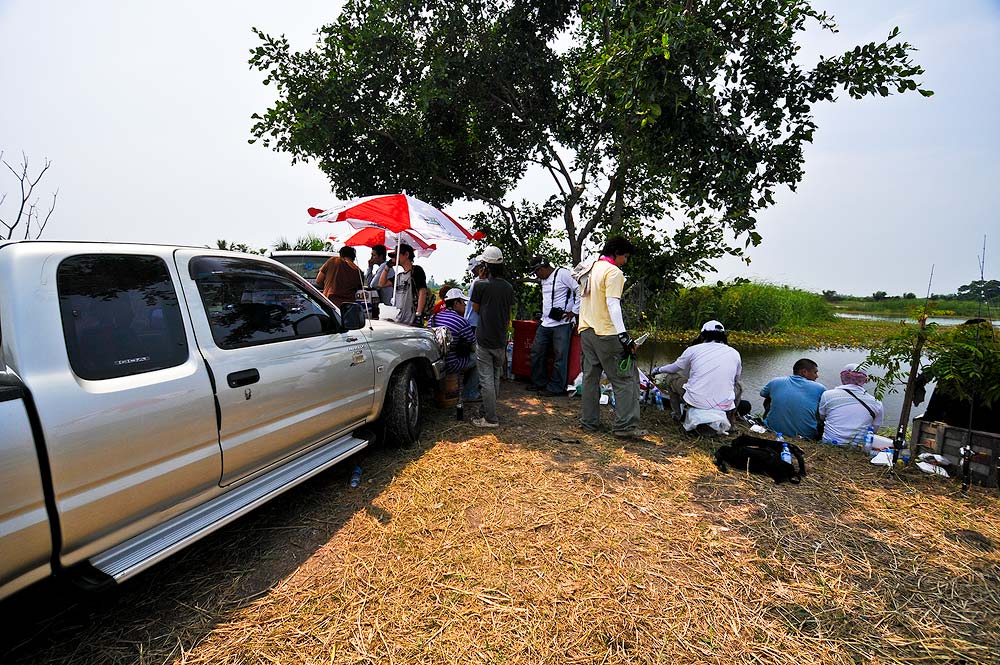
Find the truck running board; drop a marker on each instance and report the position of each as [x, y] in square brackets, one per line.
[140, 552]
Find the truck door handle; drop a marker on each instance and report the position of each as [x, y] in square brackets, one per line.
[244, 378]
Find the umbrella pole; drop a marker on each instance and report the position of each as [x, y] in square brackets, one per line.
[395, 280]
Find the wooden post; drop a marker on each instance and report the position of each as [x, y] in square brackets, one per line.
[904, 416]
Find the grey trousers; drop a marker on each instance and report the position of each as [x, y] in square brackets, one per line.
[603, 353]
[490, 363]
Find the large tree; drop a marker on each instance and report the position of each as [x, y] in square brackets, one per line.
[674, 122]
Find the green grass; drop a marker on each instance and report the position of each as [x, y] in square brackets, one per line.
[747, 306]
[847, 333]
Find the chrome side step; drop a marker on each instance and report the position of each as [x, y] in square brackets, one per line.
[140, 552]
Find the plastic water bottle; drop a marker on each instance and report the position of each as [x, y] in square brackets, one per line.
[869, 440]
[613, 399]
[780, 438]
[786, 454]
[659, 400]
[356, 477]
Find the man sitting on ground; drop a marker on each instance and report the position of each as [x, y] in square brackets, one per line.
[847, 411]
[712, 368]
[790, 401]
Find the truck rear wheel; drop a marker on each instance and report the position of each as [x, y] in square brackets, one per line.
[404, 417]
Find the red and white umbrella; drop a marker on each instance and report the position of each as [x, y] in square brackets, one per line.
[397, 213]
[371, 235]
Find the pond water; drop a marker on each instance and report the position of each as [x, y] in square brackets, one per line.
[762, 365]
[874, 317]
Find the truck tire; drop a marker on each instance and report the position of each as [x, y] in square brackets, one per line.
[404, 414]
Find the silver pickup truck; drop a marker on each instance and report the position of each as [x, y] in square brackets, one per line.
[151, 394]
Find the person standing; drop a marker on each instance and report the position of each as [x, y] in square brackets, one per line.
[378, 263]
[790, 401]
[607, 347]
[340, 278]
[847, 411]
[411, 287]
[560, 306]
[492, 298]
[470, 389]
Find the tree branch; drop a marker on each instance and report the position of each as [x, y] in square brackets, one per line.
[613, 187]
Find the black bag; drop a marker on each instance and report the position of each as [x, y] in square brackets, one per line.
[761, 456]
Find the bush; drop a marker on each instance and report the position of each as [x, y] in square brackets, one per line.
[749, 306]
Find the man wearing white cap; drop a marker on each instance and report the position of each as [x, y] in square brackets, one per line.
[847, 411]
[712, 368]
[461, 358]
[492, 297]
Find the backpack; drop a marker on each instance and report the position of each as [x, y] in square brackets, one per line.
[581, 273]
[761, 456]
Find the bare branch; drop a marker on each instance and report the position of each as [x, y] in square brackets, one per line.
[47, 215]
[27, 211]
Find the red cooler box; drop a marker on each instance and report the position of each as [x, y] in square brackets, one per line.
[524, 336]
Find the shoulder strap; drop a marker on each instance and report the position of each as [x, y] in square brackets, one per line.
[552, 295]
[861, 402]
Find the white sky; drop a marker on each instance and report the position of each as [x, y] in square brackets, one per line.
[144, 110]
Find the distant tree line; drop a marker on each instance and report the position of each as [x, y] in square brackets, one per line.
[978, 290]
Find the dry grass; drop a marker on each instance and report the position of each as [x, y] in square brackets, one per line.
[522, 545]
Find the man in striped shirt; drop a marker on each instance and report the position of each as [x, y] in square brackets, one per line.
[460, 358]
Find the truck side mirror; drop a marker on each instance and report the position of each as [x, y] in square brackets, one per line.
[352, 316]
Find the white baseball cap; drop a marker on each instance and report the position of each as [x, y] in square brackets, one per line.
[474, 263]
[491, 255]
[454, 294]
[713, 325]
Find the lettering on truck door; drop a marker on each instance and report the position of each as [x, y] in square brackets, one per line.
[287, 376]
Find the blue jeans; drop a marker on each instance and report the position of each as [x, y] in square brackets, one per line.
[558, 338]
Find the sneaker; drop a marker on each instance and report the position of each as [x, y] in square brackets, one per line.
[482, 422]
[632, 433]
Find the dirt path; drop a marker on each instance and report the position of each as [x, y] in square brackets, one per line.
[538, 543]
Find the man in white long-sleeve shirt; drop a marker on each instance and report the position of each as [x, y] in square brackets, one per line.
[606, 343]
[560, 307]
[712, 369]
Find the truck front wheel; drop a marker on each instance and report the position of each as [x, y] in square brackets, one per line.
[403, 408]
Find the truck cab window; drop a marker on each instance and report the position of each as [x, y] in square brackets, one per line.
[120, 315]
[250, 303]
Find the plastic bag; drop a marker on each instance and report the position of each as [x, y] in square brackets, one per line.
[717, 420]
